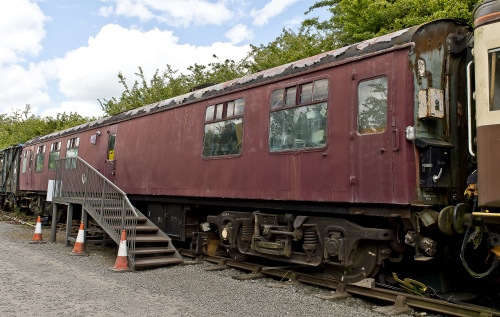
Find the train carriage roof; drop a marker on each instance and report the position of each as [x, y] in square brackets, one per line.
[396, 40]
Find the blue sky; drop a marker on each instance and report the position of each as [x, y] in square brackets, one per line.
[63, 55]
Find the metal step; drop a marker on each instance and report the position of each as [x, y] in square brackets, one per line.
[156, 261]
[139, 228]
[148, 229]
[143, 251]
[119, 218]
[150, 238]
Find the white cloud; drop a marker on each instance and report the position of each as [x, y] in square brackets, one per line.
[270, 10]
[29, 87]
[90, 73]
[293, 22]
[174, 12]
[21, 30]
[106, 11]
[239, 33]
[83, 108]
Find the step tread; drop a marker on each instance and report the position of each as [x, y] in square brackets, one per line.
[139, 219]
[152, 250]
[151, 238]
[139, 228]
[156, 261]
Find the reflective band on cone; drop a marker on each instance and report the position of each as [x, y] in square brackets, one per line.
[121, 263]
[79, 248]
[37, 237]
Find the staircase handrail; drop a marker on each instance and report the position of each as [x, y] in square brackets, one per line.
[78, 182]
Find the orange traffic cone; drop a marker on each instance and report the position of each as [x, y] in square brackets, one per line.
[121, 263]
[37, 237]
[79, 248]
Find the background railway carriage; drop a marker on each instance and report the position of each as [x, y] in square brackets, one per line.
[346, 160]
[10, 194]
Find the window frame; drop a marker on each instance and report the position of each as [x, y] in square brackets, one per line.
[386, 114]
[494, 78]
[40, 153]
[72, 146]
[55, 147]
[24, 162]
[219, 114]
[284, 106]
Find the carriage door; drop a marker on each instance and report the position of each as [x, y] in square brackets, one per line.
[111, 158]
[371, 149]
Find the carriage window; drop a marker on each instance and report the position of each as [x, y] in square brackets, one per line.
[299, 127]
[291, 95]
[223, 132]
[277, 99]
[111, 146]
[55, 150]
[494, 67]
[306, 91]
[72, 151]
[26, 154]
[218, 111]
[372, 106]
[320, 89]
[40, 158]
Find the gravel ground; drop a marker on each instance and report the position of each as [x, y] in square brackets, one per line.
[45, 280]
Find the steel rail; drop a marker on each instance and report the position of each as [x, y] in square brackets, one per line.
[414, 301]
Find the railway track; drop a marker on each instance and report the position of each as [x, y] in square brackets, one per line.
[402, 302]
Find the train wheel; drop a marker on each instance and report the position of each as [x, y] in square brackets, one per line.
[237, 255]
[365, 264]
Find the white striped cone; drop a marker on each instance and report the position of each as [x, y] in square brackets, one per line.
[37, 237]
[121, 263]
[79, 248]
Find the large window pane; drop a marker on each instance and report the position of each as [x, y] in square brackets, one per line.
[372, 106]
[298, 128]
[223, 138]
[494, 78]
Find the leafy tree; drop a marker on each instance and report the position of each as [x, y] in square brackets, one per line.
[168, 84]
[161, 86]
[21, 126]
[357, 20]
[288, 47]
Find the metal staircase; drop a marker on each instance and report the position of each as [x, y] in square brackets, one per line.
[79, 183]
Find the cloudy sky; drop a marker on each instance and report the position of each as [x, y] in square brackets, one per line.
[61, 56]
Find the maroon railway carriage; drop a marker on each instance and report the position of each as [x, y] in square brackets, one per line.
[348, 156]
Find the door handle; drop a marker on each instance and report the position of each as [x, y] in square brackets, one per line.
[395, 140]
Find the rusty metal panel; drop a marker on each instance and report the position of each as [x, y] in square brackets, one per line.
[371, 149]
[431, 103]
[159, 146]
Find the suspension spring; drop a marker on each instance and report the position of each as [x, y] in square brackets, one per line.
[310, 236]
[246, 232]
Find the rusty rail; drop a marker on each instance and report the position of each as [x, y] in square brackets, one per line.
[392, 296]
